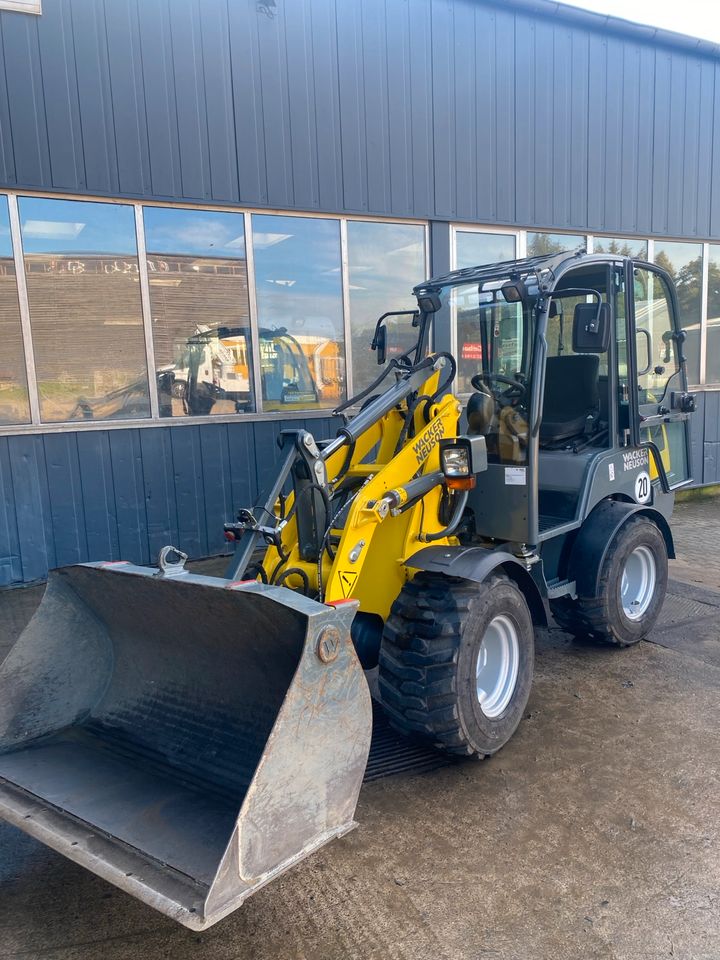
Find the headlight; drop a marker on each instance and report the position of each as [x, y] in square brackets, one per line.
[455, 461]
[461, 459]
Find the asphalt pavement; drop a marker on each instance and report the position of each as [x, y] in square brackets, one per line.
[595, 833]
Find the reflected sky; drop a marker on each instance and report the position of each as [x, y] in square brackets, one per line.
[297, 274]
[205, 233]
[475, 249]
[677, 253]
[76, 226]
[385, 262]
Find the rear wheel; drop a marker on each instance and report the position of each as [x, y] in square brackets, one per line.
[456, 662]
[633, 580]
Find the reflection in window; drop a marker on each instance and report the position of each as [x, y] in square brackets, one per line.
[299, 302]
[539, 244]
[621, 247]
[84, 293]
[713, 316]
[197, 275]
[385, 261]
[14, 405]
[473, 249]
[683, 261]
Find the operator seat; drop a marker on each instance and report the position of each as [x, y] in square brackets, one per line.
[571, 405]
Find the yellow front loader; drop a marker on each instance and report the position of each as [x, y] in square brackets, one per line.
[189, 738]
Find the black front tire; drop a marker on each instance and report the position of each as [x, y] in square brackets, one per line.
[429, 659]
[603, 617]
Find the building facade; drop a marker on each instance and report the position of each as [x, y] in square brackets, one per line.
[206, 204]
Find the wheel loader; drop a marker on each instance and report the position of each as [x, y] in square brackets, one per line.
[190, 738]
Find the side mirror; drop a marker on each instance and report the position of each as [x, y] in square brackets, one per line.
[380, 344]
[591, 328]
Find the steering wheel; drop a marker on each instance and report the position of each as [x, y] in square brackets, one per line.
[517, 388]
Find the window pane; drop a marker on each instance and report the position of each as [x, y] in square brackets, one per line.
[621, 246]
[713, 312]
[539, 244]
[14, 405]
[200, 317]
[472, 249]
[683, 261]
[385, 261]
[84, 292]
[299, 301]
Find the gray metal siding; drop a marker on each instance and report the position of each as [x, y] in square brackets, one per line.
[445, 109]
[123, 494]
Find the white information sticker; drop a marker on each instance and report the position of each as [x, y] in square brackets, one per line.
[515, 476]
[642, 487]
[611, 471]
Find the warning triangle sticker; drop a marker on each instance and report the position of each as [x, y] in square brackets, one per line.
[347, 581]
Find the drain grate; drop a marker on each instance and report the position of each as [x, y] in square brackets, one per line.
[392, 754]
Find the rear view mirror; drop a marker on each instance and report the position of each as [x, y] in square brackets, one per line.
[591, 328]
[380, 344]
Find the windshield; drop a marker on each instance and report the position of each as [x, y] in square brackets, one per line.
[494, 340]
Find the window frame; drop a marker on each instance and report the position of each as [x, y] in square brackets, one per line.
[37, 426]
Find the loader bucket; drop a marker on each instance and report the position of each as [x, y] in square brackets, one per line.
[186, 738]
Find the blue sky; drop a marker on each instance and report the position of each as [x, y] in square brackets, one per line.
[696, 18]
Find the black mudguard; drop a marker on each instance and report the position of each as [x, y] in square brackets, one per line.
[476, 564]
[595, 536]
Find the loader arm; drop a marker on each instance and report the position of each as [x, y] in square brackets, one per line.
[373, 527]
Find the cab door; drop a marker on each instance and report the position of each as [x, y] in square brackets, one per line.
[659, 405]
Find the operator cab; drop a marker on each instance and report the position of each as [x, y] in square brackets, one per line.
[563, 360]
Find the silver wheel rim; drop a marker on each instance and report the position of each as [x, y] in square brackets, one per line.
[497, 666]
[638, 582]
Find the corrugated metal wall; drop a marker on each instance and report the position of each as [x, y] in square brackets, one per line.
[123, 494]
[447, 109]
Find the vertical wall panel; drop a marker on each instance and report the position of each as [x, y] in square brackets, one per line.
[128, 99]
[67, 510]
[31, 504]
[563, 158]
[26, 98]
[190, 93]
[189, 492]
[465, 95]
[102, 499]
[645, 142]
[423, 174]
[7, 155]
[615, 87]
[580, 125]
[629, 138]
[126, 475]
[247, 103]
[218, 105]
[276, 108]
[375, 71]
[62, 110]
[597, 113]
[303, 134]
[217, 489]
[161, 514]
[11, 570]
[523, 106]
[444, 118]
[544, 142]
[352, 108]
[484, 118]
[160, 99]
[326, 103]
[398, 56]
[95, 96]
[506, 162]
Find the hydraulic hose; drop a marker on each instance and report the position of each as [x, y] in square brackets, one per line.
[454, 522]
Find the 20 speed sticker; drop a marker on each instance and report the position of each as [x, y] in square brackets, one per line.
[642, 487]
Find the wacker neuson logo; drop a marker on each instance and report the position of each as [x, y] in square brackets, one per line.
[426, 442]
[634, 459]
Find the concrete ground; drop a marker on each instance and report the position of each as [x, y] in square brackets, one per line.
[594, 834]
